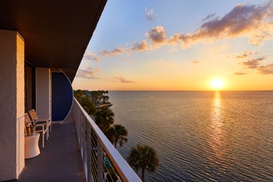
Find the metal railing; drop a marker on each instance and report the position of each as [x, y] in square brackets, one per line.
[102, 162]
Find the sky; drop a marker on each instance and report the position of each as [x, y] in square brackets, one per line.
[180, 45]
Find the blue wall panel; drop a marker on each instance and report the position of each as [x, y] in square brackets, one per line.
[62, 96]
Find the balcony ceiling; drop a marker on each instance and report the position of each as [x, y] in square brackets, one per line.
[56, 32]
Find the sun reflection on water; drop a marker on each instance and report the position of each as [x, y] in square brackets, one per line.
[217, 138]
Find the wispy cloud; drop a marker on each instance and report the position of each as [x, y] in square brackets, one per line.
[91, 56]
[256, 64]
[88, 73]
[142, 46]
[245, 54]
[196, 62]
[114, 52]
[253, 63]
[122, 79]
[265, 70]
[150, 15]
[209, 17]
[240, 73]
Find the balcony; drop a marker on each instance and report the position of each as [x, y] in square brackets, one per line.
[77, 150]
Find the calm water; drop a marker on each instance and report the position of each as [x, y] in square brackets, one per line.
[201, 136]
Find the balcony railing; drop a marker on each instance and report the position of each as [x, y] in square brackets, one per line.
[102, 162]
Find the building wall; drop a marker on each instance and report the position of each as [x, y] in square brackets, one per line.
[12, 105]
[43, 92]
[20, 104]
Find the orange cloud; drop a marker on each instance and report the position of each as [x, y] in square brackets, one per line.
[240, 73]
[265, 70]
[114, 52]
[140, 46]
[122, 79]
[196, 62]
[157, 35]
[91, 56]
[245, 54]
[256, 64]
[88, 73]
[253, 63]
[252, 20]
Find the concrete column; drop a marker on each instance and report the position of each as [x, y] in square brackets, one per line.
[11, 105]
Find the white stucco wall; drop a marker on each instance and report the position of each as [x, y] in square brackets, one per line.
[12, 105]
[20, 94]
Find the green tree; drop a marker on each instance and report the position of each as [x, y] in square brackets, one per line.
[105, 99]
[110, 134]
[117, 135]
[104, 119]
[143, 157]
[94, 95]
[78, 94]
[88, 105]
[99, 96]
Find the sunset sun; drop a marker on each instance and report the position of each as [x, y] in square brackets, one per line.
[217, 83]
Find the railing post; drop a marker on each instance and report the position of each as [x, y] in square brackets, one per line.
[84, 145]
[89, 175]
[81, 132]
[100, 162]
[76, 114]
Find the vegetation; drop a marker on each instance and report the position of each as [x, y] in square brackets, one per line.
[100, 97]
[117, 135]
[85, 102]
[88, 106]
[104, 118]
[143, 157]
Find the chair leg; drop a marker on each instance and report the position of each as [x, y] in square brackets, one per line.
[43, 139]
[47, 134]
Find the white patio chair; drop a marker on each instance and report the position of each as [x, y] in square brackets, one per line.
[43, 125]
[40, 127]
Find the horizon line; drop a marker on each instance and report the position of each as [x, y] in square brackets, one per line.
[184, 90]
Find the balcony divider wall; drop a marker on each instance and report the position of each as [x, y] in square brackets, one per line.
[12, 156]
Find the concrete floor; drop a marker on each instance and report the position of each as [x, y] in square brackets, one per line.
[60, 160]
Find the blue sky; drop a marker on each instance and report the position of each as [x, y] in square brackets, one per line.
[180, 45]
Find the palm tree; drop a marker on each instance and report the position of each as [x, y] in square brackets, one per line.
[144, 157]
[104, 118]
[117, 135]
[111, 134]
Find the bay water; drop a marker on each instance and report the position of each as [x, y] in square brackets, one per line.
[200, 136]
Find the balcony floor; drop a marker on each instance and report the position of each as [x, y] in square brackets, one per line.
[60, 160]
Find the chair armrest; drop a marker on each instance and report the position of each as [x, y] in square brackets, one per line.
[41, 125]
[42, 122]
[44, 116]
[43, 119]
